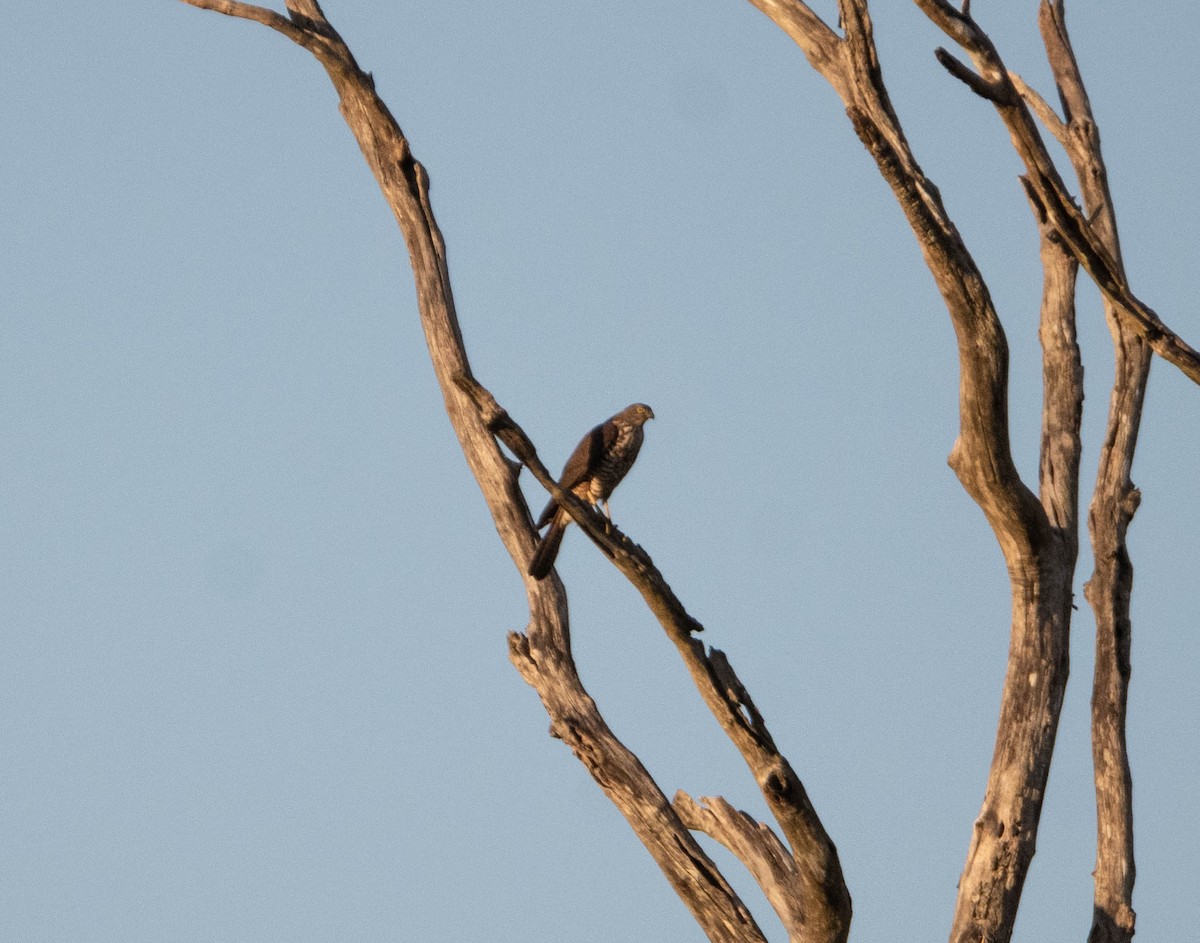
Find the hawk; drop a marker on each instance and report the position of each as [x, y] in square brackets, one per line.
[595, 468]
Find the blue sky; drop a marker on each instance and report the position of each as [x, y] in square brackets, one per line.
[253, 668]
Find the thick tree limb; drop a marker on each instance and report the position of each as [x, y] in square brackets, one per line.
[1062, 386]
[1114, 503]
[1040, 561]
[543, 656]
[981, 456]
[1136, 331]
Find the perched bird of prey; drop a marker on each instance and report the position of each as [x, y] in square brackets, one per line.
[594, 469]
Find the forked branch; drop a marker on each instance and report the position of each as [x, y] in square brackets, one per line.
[1114, 503]
[757, 847]
[1089, 247]
[1031, 533]
[1136, 331]
[543, 655]
[818, 891]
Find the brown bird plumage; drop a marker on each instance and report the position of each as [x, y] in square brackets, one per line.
[595, 468]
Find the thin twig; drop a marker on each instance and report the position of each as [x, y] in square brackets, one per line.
[1042, 108]
[248, 11]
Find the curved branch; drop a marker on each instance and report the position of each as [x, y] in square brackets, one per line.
[757, 847]
[248, 11]
[981, 456]
[820, 44]
[543, 656]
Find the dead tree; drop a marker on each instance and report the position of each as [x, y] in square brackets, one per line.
[798, 869]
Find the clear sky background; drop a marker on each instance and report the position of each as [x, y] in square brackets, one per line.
[253, 673]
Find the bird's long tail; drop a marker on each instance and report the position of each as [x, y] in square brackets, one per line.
[547, 551]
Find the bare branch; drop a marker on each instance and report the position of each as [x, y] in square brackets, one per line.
[1062, 385]
[309, 9]
[992, 91]
[248, 11]
[544, 656]
[1086, 245]
[1040, 562]
[757, 847]
[1114, 503]
[819, 888]
[819, 43]
[981, 456]
[575, 719]
[1042, 108]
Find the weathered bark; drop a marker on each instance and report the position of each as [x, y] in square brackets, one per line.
[1039, 550]
[815, 898]
[994, 82]
[814, 904]
[1114, 502]
[802, 878]
[1095, 244]
[543, 656]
